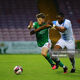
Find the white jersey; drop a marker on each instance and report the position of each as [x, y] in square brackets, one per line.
[68, 34]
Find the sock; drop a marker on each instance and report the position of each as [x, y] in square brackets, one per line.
[49, 59]
[58, 62]
[61, 64]
[73, 62]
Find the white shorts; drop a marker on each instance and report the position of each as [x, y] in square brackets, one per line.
[47, 44]
[70, 45]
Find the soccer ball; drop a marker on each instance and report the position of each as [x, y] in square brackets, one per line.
[18, 69]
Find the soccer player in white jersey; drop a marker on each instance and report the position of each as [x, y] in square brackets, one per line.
[64, 26]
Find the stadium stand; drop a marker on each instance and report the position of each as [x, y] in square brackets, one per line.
[16, 14]
[14, 18]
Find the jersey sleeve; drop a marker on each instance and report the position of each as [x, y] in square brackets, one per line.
[67, 24]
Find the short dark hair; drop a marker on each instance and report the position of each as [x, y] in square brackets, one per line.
[61, 14]
[40, 15]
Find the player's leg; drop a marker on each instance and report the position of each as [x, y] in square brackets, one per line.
[46, 54]
[56, 59]
[72, 60]
[59, 45]
[71, 52]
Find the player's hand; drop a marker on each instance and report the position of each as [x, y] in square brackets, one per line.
[30, 25]
[54, 26]
[32, 32]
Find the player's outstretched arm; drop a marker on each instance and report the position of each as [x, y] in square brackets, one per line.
[43, 27]
[40, 28]
[30, 26]
[48, 25]
[61, 29]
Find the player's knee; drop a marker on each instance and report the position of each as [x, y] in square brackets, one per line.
[43, 54]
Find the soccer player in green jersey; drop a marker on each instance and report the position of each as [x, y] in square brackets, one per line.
[43, 40]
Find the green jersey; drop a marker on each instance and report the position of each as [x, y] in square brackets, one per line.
[42, 35]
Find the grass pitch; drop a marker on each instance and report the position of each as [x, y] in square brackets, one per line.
[35, 67]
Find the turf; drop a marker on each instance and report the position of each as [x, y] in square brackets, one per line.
[35, 68]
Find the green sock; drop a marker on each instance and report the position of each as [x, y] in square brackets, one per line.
[59, 63]
[49, 59]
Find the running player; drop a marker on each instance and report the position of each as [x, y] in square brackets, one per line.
[64, 26]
